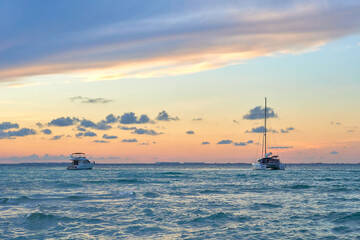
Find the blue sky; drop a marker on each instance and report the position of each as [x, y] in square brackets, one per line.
[205, 60]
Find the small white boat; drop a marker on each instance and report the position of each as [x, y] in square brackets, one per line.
[268, 161]
[80, 162]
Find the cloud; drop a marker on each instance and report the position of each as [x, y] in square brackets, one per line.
[281, 147]
[90, 100]
[335, 123]
[80, 134]
[145, 131]
[57, 137]
[190, 132]
[205, 143]
[287, 130]
[100, 141]
[127, 128]
[165, 39]
[225, 142]
[235, 121]
[240, 143]
[63, 122]
[130, 118]
[102, 125]
[228, 141]
[260, 129]
[46, 131]
[90, 134]
[144, 144]
[164, 116]
[111, 118]
[197, 119]
[35, 158]
[105, 136]
[86, 134]
[19, 133]
[8, 125]
[129, 140]
[334, 152]
[81, 129]
[259, 113]
[243, 143]
[39, 124]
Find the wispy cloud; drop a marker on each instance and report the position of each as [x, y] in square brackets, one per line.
[129, 140]
[57, 137]
[90, 100]
[173, 39]
[145, 131]
[281, 147]
[228, 141]
[105, 136]
[197, 119]
[100, 141]
[287, 130]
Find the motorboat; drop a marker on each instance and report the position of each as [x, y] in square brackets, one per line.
[267, 161]
[80, 162]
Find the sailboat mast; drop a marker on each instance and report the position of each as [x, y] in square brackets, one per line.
[265, 128]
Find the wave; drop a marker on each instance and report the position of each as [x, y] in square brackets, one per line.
[216, 218]
[257, 206]
[211, 191]
[39, 216]
[300, 186]
[129, 181]
[22, 199]
[125, 194]
[76, 198]
[69, 185]
[341, 229]
[349, 218]
[138, 230]
[171, 173]
[151, 195]
[327, 179]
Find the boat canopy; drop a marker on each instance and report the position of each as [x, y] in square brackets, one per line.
[77, 156]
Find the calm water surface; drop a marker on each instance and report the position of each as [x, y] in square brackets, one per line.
[180, 202]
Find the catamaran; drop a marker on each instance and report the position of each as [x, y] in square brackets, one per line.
[268, 161]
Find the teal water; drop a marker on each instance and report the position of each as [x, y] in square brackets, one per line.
[180, 202]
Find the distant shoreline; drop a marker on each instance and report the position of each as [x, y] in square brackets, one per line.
[165, 164]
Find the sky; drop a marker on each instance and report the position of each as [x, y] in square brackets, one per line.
[184, 81]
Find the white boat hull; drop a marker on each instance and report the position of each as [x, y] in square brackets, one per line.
[258, 166]
[282, 166]
[81, 167]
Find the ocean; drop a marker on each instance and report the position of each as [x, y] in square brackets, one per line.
[315, 201]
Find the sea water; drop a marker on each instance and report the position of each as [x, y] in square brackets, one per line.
[180, 202]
